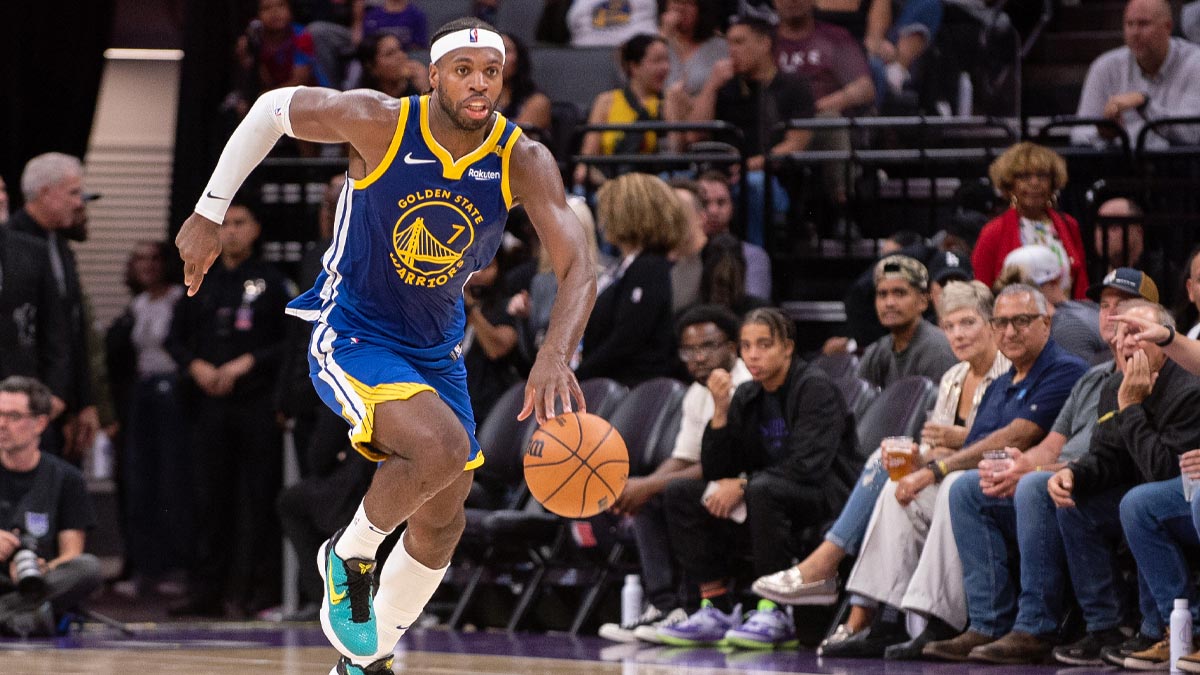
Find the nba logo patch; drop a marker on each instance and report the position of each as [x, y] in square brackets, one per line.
[474, 37]
[37, 524]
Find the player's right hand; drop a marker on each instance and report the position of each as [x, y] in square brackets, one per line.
[550, 381]
[199, 247]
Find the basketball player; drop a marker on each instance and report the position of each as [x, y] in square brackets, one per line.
[431, 179]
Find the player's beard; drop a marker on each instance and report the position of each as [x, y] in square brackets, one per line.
[459, 120]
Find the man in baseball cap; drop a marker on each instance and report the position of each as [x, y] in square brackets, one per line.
[1128, 280]
[912, 346]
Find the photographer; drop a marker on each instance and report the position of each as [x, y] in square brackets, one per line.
[45, 510]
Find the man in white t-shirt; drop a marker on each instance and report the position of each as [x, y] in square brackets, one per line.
[707, 337]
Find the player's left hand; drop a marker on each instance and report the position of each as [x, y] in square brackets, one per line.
[199, 247]
[550, 381]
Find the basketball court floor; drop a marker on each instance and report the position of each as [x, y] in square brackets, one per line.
[301, 649]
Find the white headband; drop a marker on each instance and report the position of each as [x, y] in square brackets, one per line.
[467, 37]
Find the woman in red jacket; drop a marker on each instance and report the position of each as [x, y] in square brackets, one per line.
[1031, 176]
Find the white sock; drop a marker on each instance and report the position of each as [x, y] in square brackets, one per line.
[361, 539]
[405, 587]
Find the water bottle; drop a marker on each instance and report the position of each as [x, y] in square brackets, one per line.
[1181, 632]
[966, 95]
[631, 600]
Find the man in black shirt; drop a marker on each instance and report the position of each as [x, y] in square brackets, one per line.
[229, 339]
[748, 91]
[52, 184]
[44, 507]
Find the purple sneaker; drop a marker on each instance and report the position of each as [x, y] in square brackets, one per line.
[707, 626]
[767, 627]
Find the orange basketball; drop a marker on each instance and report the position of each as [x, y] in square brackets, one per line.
[576, 465]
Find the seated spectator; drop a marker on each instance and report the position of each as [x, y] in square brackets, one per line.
[723, 276]
[1072, 323]
[1030, 176]
[1162, 403]
[44, 507]
[329, 24]
[687, 262]
[603, 23]
[628, 336]
[744, 90]
[386, 68]
[1120, 241]
[707, 337]
[782, 447]
[401, 18]
[944, 267]
[1189, 314]
[521, 100]
[490, 342]
[531, 307]
[155, 473]
[1150, 78]
[717, 201]
[826, 56]
[911, 347]
[693, 43]
[645, 65]
[929, 578]
[274, 52]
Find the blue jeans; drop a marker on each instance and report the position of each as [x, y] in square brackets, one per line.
[1158, 525]
[989, 532]
[850, 528]
[1091, 533]
[757, 214]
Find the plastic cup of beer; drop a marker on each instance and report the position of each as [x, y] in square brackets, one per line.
[899, 456]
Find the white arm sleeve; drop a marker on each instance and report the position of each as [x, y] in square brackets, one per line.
[267, 121]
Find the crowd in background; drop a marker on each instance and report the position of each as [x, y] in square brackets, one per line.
[197, 392]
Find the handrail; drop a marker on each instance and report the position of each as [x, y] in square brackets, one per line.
[1070, 121]
[1154, 125]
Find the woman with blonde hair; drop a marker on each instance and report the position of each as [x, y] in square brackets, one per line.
[629, 336]
[1030, 177]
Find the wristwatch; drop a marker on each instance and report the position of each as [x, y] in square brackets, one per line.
[1170, 336]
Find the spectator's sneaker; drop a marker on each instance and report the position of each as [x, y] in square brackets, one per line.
[1189, 663]
[381, 667]
[707, 626]
[347, 608]
[1086, 650]
[649, 632]
[788, 587]
[626, 632]
[767, 627]
[1116, 654]
[1155, 657]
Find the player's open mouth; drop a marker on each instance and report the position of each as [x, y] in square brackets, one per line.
[478, 108]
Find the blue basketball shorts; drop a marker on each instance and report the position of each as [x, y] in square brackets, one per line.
[352, 376]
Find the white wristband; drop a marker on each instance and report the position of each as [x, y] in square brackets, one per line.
[269, 119]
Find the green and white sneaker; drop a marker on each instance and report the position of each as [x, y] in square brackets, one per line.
[347, 607]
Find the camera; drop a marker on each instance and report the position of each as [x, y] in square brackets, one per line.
[26, 570]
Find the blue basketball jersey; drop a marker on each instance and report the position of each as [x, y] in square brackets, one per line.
[408, 235]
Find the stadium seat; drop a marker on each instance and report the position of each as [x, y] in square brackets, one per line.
[574, 74]
[899, 410]
[838, 366]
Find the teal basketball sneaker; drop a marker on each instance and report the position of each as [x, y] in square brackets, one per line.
[381, 667]
[347, 610]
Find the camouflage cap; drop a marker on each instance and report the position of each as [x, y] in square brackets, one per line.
[903, 267]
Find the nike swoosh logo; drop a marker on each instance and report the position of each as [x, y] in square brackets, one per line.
[335, 598]
[210, 195]
[408, 159]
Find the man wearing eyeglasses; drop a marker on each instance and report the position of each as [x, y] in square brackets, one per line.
[1017, 411]
[708, 337]
[44, 506]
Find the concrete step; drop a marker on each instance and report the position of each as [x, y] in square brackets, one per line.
[1080, 47]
